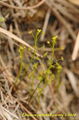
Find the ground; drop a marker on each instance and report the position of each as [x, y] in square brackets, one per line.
[39, 60]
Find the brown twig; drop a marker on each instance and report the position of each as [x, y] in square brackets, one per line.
[76, 48]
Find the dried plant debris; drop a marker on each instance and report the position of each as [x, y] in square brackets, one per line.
[76, 2]
[34, 78]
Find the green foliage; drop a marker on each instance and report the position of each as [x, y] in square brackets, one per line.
[21, 54]
[42, 72]
[2, 19]
[54, 41]
[36, 36]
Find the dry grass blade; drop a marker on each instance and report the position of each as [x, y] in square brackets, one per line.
[76, 2]
[61, 18]
[76, 48]
[64, 11]
[73, 81]
[6, 73]
[27, 111]
[68, 5]
[45, 24]
[22, 8]
[11, 35]
[7, 114]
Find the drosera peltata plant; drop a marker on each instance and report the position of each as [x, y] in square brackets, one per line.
[43, 71]
[36, 36]
[21, 54]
